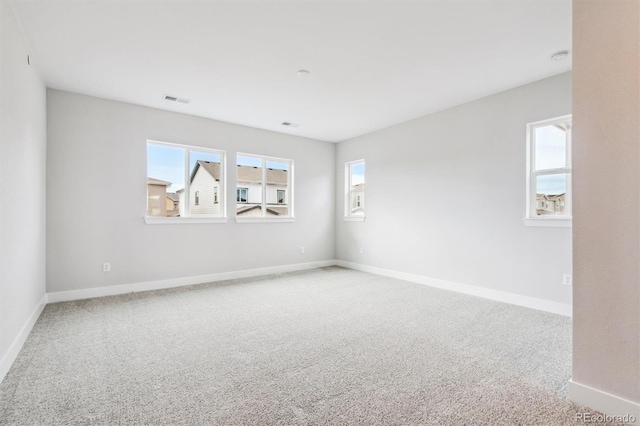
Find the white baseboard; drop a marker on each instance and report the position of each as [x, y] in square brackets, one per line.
[88, 293]
[604, 402]
[12, 353]
[500, 296]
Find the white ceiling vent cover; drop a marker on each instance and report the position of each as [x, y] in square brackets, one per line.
[175, 99]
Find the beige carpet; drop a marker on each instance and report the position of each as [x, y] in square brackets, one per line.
[328, 346]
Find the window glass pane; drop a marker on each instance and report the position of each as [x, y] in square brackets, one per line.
[249, 189]
[550, 147]
[205, 181]
[277, 188]
[551, 193]
[356, 191]
[165, 180]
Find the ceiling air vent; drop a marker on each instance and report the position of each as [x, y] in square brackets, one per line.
[175, 99]
[286, 123]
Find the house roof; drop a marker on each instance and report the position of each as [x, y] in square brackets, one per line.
[550, 197]
[212, 167]
[254, 174]
[275, 211]
[173, 195]
[244, 173]
[359, 186]
[153, 181]
[554, 196]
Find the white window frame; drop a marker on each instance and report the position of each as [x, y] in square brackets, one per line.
[238, 192]
[348, 216]
[200, 218]
[268, 219]
[284, 196]
[531, 217]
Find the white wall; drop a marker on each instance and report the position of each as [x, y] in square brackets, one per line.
[446, 196]
[22, 184]
[606, 93]
[97, 154]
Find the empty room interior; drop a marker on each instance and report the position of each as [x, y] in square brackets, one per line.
[320, 212]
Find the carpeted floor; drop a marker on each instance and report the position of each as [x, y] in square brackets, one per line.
[328, 346]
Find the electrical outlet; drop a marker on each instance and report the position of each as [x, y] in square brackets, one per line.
[301, 249]
[567, 279]
[106, 267]
[361, 250]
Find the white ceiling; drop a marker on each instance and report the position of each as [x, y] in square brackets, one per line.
[373, 63]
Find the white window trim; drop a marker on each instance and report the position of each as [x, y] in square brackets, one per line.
[531, 218]
[553, 223]
[240, 219]
[355, 218]
[265, 218]
[202, 218]
[348, 217]
[159, 220]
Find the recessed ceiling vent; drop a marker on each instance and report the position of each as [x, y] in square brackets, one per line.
[175, 99]
[286, 123]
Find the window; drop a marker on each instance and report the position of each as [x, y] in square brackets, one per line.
[192, 178]
[549, 172]
[265, 188]
[354, 190]
[243, 195]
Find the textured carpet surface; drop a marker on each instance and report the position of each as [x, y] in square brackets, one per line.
[328, 346]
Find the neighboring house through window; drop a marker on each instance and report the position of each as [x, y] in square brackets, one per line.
[354, 190]
[189, 178]
[264, 187]
[549, 172]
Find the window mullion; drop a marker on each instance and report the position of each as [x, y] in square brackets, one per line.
[567, 139]
[187, 195]
[264, 187]
[289, 192]
[349, 191]
[558, 171]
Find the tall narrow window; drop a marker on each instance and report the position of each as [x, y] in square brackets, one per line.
[184, 181]
[243, 195]
[354, 190]
[264, 187]
[549, 172]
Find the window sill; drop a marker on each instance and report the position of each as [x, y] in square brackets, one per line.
[354, 218]
[564, 222]
[153, 220]
[241, 219]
